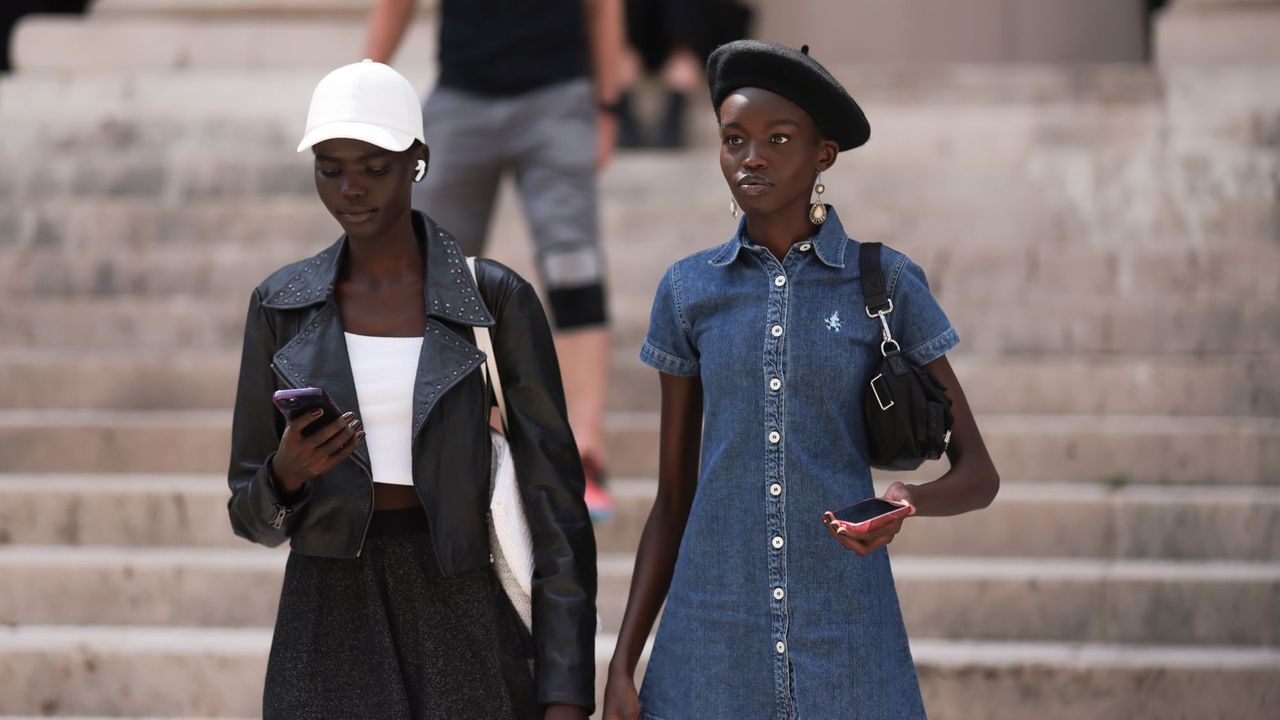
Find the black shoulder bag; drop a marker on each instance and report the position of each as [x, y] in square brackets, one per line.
[907, 411]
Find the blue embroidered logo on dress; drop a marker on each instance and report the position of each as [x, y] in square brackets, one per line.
[833, 322]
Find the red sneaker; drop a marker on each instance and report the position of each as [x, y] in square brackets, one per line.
[599, 502]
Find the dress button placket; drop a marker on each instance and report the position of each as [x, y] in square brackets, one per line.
[775, 462]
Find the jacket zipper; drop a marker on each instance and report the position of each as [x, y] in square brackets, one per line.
[284, 510]
[277, 520]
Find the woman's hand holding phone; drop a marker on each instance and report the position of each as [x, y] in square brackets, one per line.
[865, 543]
[302, 456]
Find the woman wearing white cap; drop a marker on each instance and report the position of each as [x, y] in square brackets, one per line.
[390, 608]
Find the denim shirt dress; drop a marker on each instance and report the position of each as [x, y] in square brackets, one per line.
[768, 616]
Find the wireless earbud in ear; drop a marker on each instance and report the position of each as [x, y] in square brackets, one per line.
[422, 170]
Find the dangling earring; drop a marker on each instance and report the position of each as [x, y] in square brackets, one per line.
[817, 210]
[733, 208]
[422, 170]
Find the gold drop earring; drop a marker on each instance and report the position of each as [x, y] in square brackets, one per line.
[733, 208]
[818, 210]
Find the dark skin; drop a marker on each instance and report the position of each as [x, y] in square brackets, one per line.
[368, 191]
[770, 154]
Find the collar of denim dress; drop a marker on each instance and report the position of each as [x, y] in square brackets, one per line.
[828, 242]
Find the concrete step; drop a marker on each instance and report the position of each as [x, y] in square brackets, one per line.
[659, 197]
[1055, 520]
[1103, 385]
[945, 597]
[215, 248]
[1007, 153]
[993, 326]
[1130, 96]
[74, 670]
[1094, 141]
[1061, 681]
[1028, 519]
[219, 672]
[159, 42]
[1081, 448]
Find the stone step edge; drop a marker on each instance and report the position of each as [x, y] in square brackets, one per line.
[618, 420]
[117, 640]
[640, 488]
[616, 564]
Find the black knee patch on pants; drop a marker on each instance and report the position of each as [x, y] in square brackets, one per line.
[577, 307]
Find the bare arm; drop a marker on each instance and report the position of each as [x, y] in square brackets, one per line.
[605, 37]
[679, 447]
[972, 481]
[970, 484]
[605, 33]
[387, 24]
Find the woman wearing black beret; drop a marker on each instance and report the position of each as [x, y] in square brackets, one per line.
[764, 348]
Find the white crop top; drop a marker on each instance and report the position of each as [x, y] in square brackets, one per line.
[384, 370]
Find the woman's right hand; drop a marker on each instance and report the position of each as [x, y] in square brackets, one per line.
[299, 458]
[621, 701]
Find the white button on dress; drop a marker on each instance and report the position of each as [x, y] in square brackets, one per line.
[775, 384]
[777, 331]
[780, 280]
[777, 542]
[774, 437]
[775, 489]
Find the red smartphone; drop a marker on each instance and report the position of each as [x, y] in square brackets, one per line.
[297, 402]
[865, 516]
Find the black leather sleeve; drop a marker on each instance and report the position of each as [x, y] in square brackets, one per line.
[255, 434]
[549, 471]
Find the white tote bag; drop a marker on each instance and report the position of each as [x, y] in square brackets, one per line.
[509, 535]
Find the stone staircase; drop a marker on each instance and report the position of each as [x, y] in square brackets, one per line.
[1104, 238]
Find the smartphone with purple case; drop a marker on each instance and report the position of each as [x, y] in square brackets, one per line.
[294, 403]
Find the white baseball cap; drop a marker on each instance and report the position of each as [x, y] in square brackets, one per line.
[366, 101]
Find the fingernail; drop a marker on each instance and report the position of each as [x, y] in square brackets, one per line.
[317, 412]
[348, 415]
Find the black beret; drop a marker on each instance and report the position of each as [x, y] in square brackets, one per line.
[795, 76]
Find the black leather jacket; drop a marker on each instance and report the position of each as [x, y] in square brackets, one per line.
[293, 338]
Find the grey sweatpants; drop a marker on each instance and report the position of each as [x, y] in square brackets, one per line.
[547, 139]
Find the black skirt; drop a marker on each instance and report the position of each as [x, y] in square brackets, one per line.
[387, 636]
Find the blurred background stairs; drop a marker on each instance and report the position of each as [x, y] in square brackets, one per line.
[1106, 237]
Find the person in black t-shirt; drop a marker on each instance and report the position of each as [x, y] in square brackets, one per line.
[671, 39]
[530, 89]
[11, 11]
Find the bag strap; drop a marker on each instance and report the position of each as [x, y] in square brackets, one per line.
[485, 342]
[873, 287]
[875, 293]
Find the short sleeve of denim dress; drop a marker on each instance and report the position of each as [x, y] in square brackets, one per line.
[767, 616]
